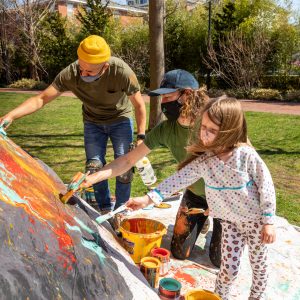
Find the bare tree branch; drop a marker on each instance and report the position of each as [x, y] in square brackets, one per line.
[239, 59]
[27, 16]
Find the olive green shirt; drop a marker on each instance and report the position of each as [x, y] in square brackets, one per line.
[174, 136]
[105, 100]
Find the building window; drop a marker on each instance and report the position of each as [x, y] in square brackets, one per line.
[70, 9]
[130, 2]
[116, 14]
[143, 1]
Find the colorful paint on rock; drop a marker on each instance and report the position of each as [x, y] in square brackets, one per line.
[50, 250]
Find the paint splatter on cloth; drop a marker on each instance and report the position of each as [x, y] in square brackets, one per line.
[284, 260]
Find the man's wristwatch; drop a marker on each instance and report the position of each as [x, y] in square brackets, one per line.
[140, 136]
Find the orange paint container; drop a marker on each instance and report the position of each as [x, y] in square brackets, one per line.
[164, 256]
[150, 269]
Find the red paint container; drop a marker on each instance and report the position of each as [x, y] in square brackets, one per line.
[164, 256]
[169, 289]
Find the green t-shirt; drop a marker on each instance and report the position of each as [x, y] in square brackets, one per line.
[105, 99]
[174, 136]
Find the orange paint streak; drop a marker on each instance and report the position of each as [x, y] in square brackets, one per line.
[180, 275]
[27, 178]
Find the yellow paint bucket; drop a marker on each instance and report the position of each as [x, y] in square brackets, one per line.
[140, 236]
[199, 294]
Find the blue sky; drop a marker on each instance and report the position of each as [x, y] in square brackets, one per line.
[295, 4]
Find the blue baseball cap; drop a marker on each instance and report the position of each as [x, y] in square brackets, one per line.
[175, 80]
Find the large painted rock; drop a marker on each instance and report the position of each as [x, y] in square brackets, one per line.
[49, 250]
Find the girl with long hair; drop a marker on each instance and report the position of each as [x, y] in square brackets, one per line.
[239, 190]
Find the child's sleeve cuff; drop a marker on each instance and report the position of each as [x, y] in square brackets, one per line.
[155, 196]
[268, 218]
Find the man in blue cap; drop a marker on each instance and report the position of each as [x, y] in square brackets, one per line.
[181, 103]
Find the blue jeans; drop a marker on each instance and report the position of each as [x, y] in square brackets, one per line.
[95, 141]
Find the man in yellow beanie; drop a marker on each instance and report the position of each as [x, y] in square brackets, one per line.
[107, 87]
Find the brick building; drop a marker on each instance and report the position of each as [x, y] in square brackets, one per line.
[125, 13]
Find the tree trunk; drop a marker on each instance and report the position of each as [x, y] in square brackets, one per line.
[4, 44]
[157, 57]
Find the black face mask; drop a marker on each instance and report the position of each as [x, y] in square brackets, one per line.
[171, 109]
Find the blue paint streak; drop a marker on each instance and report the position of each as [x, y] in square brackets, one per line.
[284, 286]
[91, 245]
[4, 174]
[11, 194]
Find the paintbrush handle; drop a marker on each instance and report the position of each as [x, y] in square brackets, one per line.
[103, 218]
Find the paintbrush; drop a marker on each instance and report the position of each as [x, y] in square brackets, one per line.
[2, 127]
[73, 186]
[109, 215]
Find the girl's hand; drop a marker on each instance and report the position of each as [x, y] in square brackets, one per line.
[268, 234]
[138, 202]
[206, 213]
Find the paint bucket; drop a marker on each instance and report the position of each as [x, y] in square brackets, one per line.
[169, 288]
[199, 294]
[140, 236]
[150, 269]
[164, 256]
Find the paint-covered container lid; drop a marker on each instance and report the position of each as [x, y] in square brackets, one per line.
[160, 252]
[150, 262]
[200, 294]
[170, 284]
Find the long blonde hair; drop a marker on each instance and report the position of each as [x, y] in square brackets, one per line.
[227, 113]
[194, 103]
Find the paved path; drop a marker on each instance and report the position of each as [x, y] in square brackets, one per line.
[248, 105]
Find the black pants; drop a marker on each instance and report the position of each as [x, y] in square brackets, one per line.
[188, 227]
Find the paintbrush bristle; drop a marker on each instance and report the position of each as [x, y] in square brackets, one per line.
[65, 198]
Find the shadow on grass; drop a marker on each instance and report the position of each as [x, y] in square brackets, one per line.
[44, 135]
[277, 151]
[37, 148]
[161, 164]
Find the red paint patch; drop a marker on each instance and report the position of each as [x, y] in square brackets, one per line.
[31, 220]
[180, 275]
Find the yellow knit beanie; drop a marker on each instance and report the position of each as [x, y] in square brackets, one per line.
[94, 50]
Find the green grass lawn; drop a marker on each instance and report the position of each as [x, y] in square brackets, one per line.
[55, 135]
